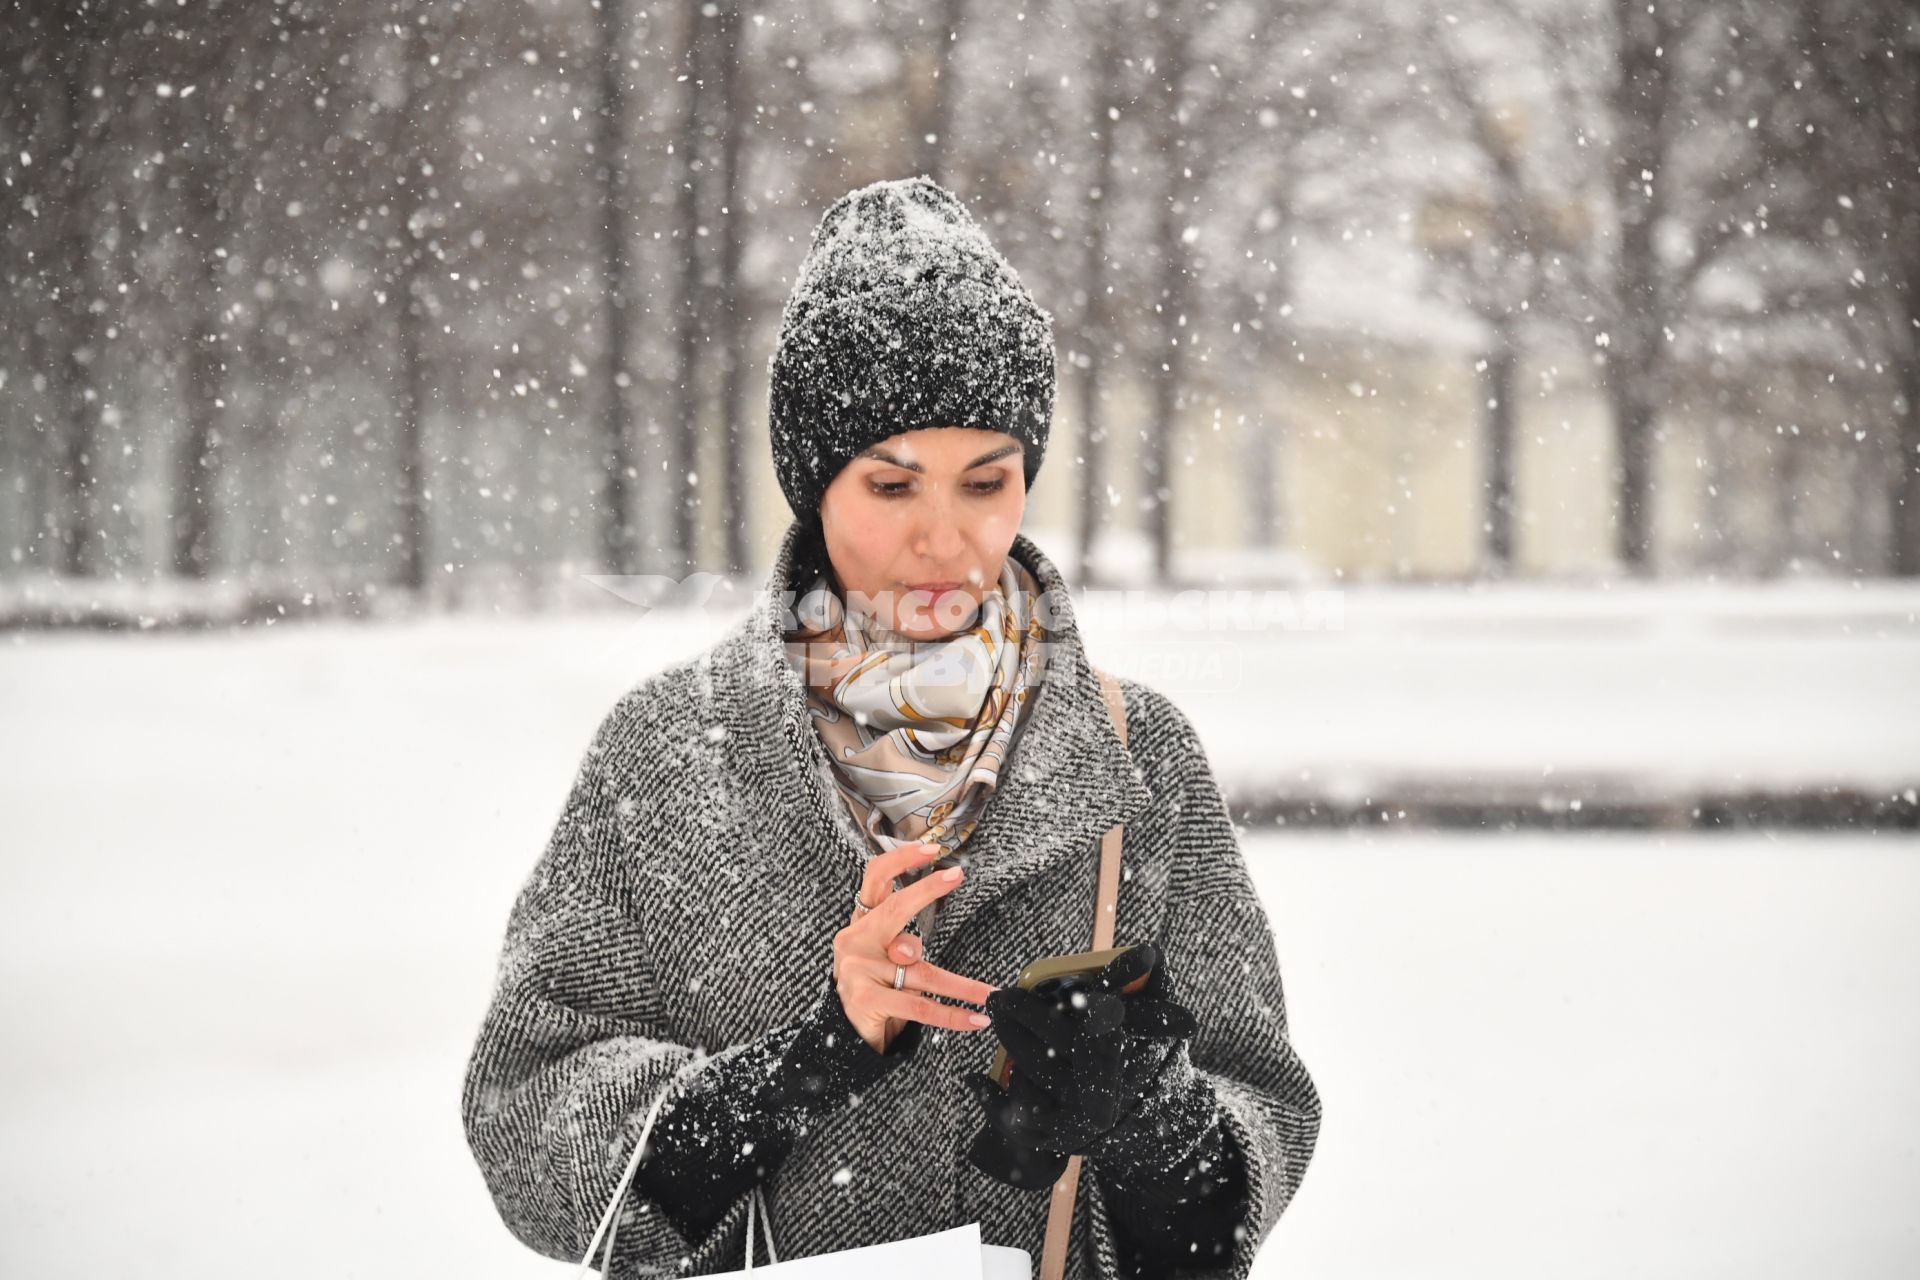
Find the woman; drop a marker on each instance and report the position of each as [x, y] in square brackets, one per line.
[809, 863]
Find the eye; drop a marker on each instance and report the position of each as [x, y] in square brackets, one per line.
[895, 488]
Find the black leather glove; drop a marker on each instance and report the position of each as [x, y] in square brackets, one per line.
[1086, 1058]
[1007, 1148]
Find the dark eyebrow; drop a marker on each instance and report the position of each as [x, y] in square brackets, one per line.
[981, 461]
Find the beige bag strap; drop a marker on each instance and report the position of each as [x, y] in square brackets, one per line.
[1053, 1257]
[1110, 842]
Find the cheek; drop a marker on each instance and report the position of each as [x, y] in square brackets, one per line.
[996, 525]
[866, 536]
[875, 523]
[1005, 508]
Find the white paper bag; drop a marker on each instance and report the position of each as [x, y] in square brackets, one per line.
[954, 1254]
[1002, 1262]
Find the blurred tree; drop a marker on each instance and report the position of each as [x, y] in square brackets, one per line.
[935, 88]
[66, 57]
[1110, 79]
[615, 456]
[378, 297]
[1899, 116]
[731, 295]
[1498, 233]
[1852, 194]
[697, 41]
[417, 126]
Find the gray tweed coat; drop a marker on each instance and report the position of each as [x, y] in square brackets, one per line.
[687, 902]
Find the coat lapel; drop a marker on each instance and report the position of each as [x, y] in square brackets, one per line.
[1068, 776]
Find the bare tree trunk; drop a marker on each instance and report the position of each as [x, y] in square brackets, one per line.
[410, 322]
[1642, 94]
[1166, 368]
[936, 128]
[1716, 537]
[1904, 480]
[1256, 378]
[1277, 406]
[197, 465]
[1864, 507]
[1164, 378]
[610, 145]
[1633, 419]
[1789, 470]
[1097, 328]
[78, 458]
[38, 482]
[1498, 459]
[1905, 477]
[412, 431]
[738, 315]
[682, 487]
[412, 426]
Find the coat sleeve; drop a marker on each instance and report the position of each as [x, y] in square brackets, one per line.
[574, 1048]
[1221, 956]
[1183, 1216]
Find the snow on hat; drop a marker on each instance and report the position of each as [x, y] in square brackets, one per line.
[903, 316]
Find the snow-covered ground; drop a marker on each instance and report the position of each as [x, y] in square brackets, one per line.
[1649, 690]
[251, 891]
[1501, 692]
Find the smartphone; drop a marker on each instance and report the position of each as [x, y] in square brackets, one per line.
[1058, 974]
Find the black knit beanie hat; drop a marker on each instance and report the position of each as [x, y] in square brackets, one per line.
[903, 316]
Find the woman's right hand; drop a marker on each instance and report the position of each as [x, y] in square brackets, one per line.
[866, 951]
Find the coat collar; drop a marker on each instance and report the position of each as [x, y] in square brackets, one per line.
[1068, 777]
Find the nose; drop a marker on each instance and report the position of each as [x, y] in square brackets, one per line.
[937, 539]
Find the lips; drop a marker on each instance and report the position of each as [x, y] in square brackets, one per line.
[935, 588]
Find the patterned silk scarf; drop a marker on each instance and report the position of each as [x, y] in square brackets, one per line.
[918, 730]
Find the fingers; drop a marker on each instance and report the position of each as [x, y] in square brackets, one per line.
[891, 916]
[934, 980]
[919, 1008]
[1140, 973]
[882, 869]
[906, 950]
[1129, 970]
[1153, 1017]
[1052, 1040]
[927, 977]
[1085, 1012]
[1039, 1061]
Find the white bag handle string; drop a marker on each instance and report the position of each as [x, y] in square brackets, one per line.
[609, 1228]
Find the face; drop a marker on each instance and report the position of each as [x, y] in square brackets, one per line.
[938, 505]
